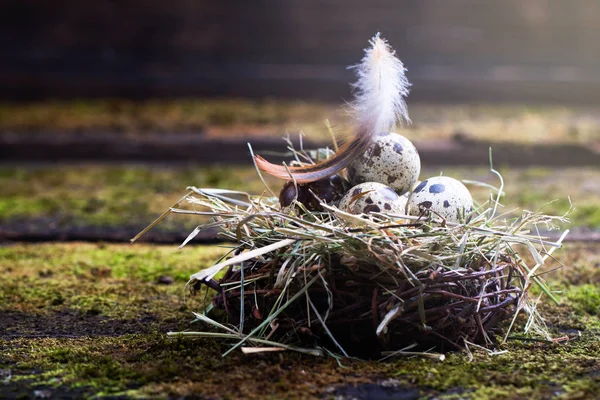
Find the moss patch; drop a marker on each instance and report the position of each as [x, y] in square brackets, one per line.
[108, 196]
[116, 281]
[585, 299]
[85, 196]
[90, 320]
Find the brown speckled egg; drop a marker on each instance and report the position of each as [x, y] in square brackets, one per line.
[372, 197]
[330, 190]
[391, 160]
[445, 196]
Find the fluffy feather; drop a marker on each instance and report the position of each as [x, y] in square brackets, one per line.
[378, 105]
[380, 89]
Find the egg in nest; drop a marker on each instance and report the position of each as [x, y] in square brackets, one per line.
[373, 197]
[391, 160]
[444, 196]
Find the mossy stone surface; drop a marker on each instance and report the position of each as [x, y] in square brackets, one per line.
[131, 196]
[83, 320]
[520, 123]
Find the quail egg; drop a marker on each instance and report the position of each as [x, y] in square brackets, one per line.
[329, 190]
[373, 197]
[445, 196]
[391, 159]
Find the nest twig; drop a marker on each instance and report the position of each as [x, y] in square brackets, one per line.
[441, 308]
[365, 286]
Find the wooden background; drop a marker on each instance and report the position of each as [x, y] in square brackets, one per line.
[455, 50]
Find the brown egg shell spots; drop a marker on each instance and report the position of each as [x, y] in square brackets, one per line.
[370, 197]
[391, 160]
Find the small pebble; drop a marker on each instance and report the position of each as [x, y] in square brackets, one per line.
[165, 280]
[42, 394]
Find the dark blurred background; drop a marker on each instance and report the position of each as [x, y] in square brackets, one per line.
[109, 109]
[455, 50]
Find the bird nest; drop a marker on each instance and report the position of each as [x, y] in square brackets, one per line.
[329, 282]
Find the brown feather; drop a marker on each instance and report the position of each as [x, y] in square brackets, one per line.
[310, 173]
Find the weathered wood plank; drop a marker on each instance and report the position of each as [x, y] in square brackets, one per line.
[174, 48]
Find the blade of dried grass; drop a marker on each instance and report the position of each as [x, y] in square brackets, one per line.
[273, 315]
[324, 325]
[533, 270]
[255, 350]
[219, 194]
[210, 272]
[398, 353]
[160, 218]
[242, 300]
[192, 235]
[312, 352]
[204, 318]
[389, 316]
[259, 173]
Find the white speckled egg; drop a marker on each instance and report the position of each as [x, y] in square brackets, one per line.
[373, 197]
[391, 159]
[443, 195]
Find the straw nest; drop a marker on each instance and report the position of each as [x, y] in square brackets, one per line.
[370, 285]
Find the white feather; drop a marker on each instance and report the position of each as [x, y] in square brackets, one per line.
[380, 89]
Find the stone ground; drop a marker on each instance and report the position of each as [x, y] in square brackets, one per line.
[83, 319]
[218, 118]
[113, 202]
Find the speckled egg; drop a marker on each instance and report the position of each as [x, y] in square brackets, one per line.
[445, 196]
[391, 159]
[373, 197]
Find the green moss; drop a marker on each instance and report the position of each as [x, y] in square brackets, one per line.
[526, 371]
[585, 388]
[90, 318]
[135, 195]
[117, 281]
[585, 298]
[589, 213]
[151, 365]
[109, 196]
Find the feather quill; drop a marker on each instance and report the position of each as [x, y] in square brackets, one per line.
[378, 106]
